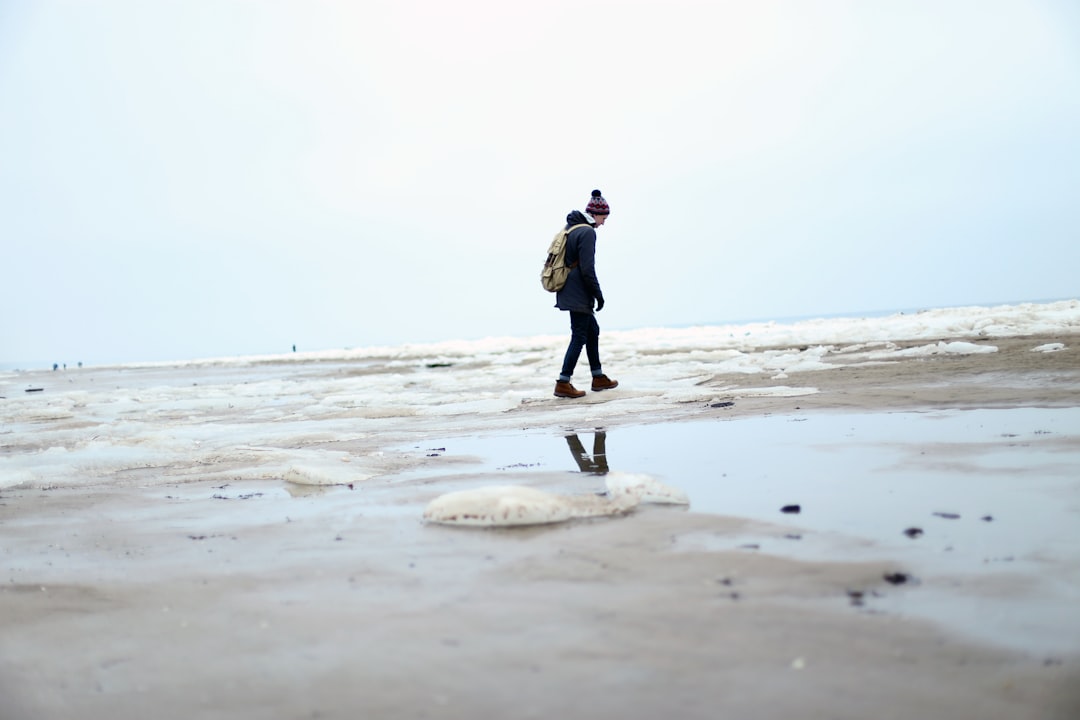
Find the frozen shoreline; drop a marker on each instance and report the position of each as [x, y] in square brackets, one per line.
[261, 417]
[959, 323]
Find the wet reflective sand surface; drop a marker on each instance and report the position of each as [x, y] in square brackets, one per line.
[990, 496]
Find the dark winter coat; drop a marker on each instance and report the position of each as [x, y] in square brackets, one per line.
[582, 289]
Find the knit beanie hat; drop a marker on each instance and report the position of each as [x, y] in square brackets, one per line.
[597, 205]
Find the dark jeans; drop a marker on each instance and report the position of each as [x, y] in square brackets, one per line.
[597, 464]
[584, 333]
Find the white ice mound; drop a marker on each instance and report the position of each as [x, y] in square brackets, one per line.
[645, 488]
[1049, 348]
[324, 475]
[506, 505]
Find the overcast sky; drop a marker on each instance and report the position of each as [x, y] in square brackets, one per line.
[204, 178]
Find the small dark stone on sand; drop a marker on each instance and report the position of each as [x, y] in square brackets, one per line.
[897, 578]
[947, 515]
[987, 518]
[791, 509]
[722, 404]
[913, 532]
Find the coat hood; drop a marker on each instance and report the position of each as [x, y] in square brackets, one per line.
[576, 217]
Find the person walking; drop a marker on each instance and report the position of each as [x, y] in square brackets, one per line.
[580, 294]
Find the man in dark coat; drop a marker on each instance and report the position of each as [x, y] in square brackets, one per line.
[580, 294]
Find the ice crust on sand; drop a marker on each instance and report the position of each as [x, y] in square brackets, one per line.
[939, 348]
[323, 475]
[508, 505]
[513, 505]
[644, 488]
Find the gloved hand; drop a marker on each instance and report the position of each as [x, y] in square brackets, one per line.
[599, 304]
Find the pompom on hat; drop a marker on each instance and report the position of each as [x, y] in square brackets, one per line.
[597, 205]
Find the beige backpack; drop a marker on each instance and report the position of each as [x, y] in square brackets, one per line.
[555, 271]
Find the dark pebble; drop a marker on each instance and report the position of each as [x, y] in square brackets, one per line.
[947, 515]
[898, 578]
[913, 532]
[791, 509]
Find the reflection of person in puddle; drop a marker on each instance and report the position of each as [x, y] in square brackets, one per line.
[596, 464]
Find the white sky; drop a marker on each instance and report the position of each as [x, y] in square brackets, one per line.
[191, 179]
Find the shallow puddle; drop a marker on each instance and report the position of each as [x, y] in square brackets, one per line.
[939, 494]
[873, 475]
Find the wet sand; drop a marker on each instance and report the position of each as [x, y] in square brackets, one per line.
[219, 598]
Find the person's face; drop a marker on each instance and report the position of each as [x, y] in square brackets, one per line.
[599, 219]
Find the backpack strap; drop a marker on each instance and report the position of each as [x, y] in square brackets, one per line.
[571, 229]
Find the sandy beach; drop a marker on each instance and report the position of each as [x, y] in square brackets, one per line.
[204, 584]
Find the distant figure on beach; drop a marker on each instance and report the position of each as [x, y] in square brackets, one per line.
[55, 366]
[596, 463]
[578, 296]
[294, 348]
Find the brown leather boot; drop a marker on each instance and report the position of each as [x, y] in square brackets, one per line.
[603, 382]
[566, 390]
